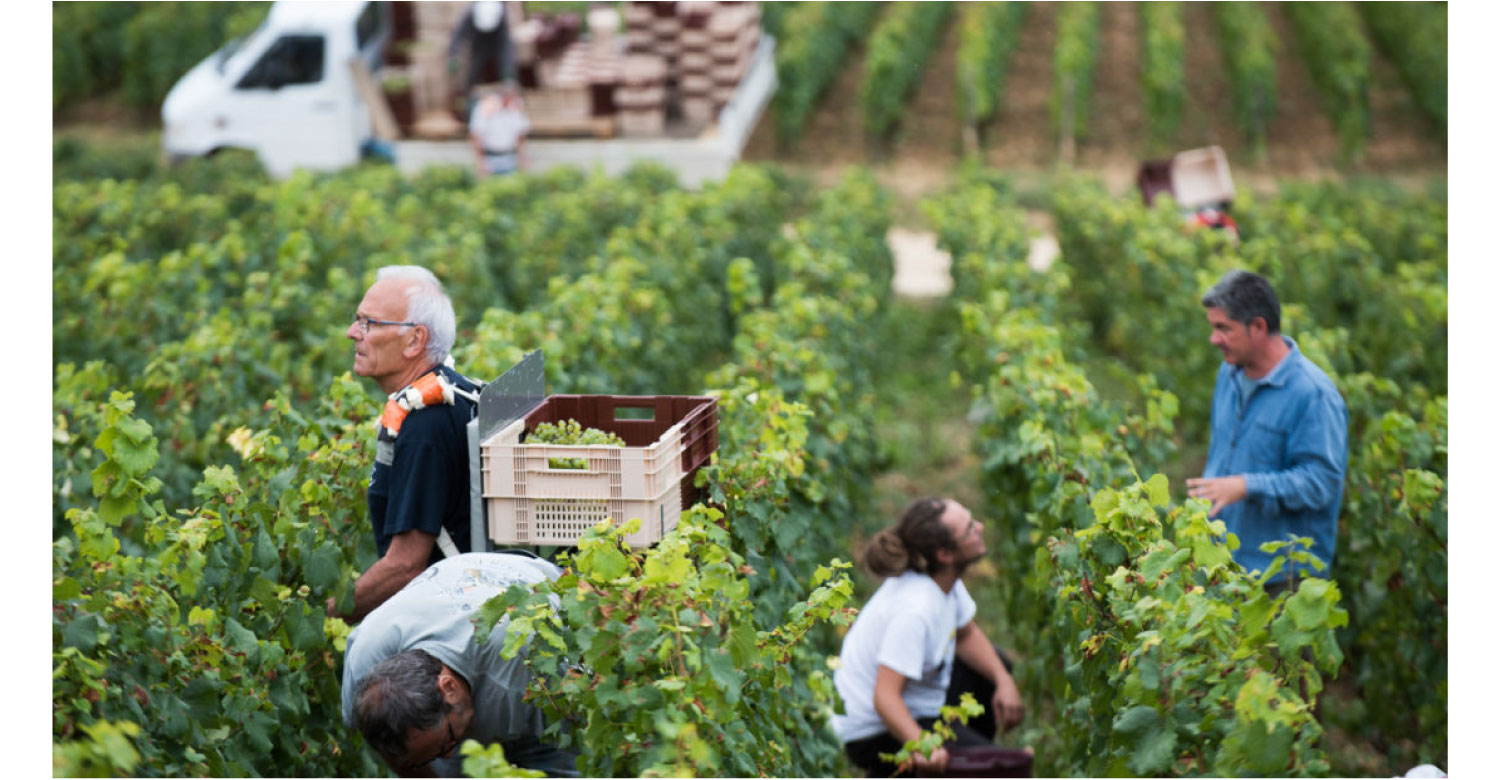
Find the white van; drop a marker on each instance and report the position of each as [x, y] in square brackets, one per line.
[285, 91]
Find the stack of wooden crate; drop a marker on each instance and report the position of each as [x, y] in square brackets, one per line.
[707, 46]
[680, 59]
[642, 96]
[432, 90]
[569, 84]
[640, 38]
[695, 83]
[734, 32]
[664, 29]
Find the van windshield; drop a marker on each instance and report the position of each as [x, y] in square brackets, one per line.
[228, 50]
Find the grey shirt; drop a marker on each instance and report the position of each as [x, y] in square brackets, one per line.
[433, 613]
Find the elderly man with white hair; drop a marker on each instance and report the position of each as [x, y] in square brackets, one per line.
[418, 493]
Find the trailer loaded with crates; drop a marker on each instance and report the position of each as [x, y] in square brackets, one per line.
[677, 83]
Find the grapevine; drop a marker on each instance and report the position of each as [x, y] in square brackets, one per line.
[1249, 47]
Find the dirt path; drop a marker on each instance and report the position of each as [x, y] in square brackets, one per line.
[923, 155]
[1402, 137]
[1303, 141]
[834, 137]
[1208, 112]
[1115, 140]
[1020, 136]
[928, 145]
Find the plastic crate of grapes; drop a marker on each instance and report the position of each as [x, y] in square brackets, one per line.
[531, 501]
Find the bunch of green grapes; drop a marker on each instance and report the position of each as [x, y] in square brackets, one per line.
[570, 432]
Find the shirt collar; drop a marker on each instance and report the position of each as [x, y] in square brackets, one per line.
[1277, 376]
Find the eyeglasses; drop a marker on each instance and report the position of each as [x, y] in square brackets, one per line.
[452, 743]
[364, 323]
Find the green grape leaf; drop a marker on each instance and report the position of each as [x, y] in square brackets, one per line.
[137, 458]
[743, 645]
[114, 509]
[320, 568]
[304, 626]
[65, 589]
[242, 640]
[608, 563]
[721, 668]
[82, 633]
[1137, 720]
[1155, 739]
[1157, 489]
[1310, 607]
[665, 565]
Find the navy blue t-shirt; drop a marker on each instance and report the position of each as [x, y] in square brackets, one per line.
[421, 480]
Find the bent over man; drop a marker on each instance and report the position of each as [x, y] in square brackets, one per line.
[418, 496]
[417, 682]
[897, 663]
[1277, 447]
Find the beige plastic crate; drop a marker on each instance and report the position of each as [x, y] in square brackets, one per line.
[667, 439]
[532, 503]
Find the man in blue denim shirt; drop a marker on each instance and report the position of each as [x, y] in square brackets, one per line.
[1277, 448]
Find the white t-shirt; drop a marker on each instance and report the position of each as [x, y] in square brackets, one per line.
[499, 129]
[911, 626]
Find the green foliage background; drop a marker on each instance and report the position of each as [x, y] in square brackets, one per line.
[141, 49]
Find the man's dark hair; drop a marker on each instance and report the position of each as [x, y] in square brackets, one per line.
[399, 694]
[913, 543]
[1244, 296]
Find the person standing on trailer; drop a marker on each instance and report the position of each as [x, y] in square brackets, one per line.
[485, 30]
[418, 496]
[915, 643]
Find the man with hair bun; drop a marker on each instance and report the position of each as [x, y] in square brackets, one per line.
[1277, 447]
[915, 646]
[418, 494]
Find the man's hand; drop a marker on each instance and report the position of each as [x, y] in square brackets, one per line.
[1006, 703]
[936, 765]
[1222, 491]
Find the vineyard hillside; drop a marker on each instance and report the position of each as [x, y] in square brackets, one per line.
[929, 147]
